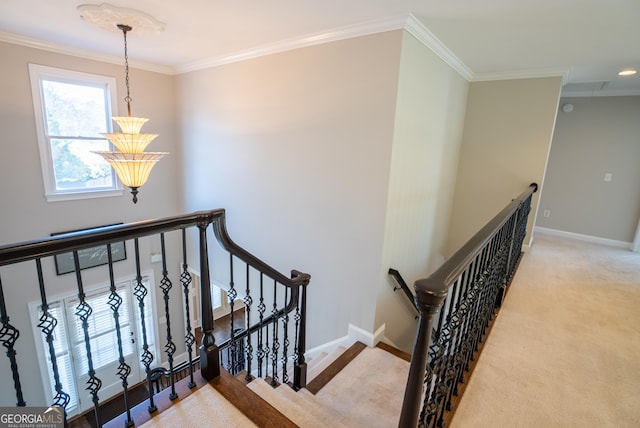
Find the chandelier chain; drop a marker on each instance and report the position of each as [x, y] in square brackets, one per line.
[125, 29]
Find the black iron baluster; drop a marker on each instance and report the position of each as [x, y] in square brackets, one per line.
[8, 337]
[170, 347]
[185, 280]
[261, 309]
[48, 324]
[248, 301]
[123, 368]
[285, 341]
[232, 294]
[436, 353]
[445, 376]
[276, 343]
[456, 328]
[140, 291]
[83, 312]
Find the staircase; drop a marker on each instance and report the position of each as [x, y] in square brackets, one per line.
[354, 387]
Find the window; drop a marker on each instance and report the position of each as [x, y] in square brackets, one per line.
[72, 109]
[70, 348]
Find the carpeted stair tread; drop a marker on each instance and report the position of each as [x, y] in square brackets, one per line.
[206, 404]
[301, 407]
[317, 365]
[250, 404]
[370, 389]
[366, 393]
[319, 381]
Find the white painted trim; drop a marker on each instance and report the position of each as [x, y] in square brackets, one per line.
[585, 238]
[326, 347]
[354, 334]
[426, 37]
[635, 246]
[406, 22]
[82, 53]
[336, 34]
[601, 93]
[521, 74]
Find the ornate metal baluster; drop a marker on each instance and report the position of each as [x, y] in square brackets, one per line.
[456, 326]
[285, 342]
[432, 376]
[296, 339]
[446, 375]
[185, 280]
[232, 294]
[83, 312]
[170, 347]
[48, 324]
[8, 337]
[248, 301]
[276, 343]
[261, 309]
[123, 368]
[140, 291]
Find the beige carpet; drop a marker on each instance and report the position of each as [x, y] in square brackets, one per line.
[565, 347]
[204, 408]
[367, 393]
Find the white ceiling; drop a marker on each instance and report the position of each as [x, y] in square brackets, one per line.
[588, 41]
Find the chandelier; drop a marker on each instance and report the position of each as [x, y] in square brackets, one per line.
[132, 164]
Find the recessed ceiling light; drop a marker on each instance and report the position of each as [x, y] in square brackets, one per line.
[628, 72]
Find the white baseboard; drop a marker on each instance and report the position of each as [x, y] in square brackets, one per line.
[354, 334]
[585, 238]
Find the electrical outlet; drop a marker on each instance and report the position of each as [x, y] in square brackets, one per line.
[608, 176]
[546, 213]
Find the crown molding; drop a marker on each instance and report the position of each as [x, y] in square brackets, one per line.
[336, 34]
[82, 53]
[522, 74]
[600, 93]
[422, 33]
[406, 22]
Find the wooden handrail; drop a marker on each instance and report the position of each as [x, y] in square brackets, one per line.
[460, 271]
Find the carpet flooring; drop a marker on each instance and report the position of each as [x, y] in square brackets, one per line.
[565, 347]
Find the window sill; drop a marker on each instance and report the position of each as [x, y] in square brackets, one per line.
[84, 195]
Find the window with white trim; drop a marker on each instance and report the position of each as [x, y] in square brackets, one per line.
[72, 109]
[70, 348]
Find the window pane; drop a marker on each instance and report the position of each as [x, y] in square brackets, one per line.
[76, 167]
[74, 110]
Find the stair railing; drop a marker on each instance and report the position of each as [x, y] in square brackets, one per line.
[457, 304]
[285, 295]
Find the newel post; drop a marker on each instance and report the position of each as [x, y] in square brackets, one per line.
[428, 303]
[209, 354]
[300, 368]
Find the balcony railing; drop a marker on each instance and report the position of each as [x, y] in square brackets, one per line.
[457, 304]
[270, 343]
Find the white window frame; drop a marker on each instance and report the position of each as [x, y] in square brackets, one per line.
[59, 300]
[38, 73]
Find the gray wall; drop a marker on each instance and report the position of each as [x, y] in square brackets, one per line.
[424, 160]
[27, 215]
[601, 135]
[507, 134]
[296, 147]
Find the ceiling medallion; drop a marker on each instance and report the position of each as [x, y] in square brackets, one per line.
[107, 16]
